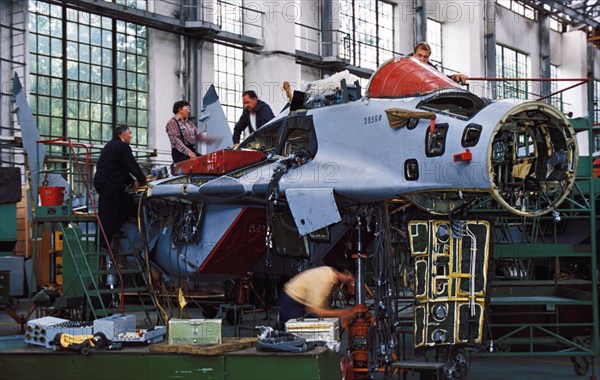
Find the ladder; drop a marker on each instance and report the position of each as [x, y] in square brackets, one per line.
[105, 279]
[102, 278]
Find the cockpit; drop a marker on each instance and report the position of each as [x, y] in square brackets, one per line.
[463, 105]
[294, 134]
[407, 77]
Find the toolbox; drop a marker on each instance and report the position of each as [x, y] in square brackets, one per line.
[195, 331]
[315, 329]
[41, 331]
[114, 325]
[153, 335]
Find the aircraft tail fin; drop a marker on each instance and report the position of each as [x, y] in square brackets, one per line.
[35, 152]
[213, 120]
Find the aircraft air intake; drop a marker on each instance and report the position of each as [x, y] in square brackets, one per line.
[532, 159]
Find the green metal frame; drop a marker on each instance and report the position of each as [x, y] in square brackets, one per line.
[79, 273]
[81, 259]
[80, 269]
[8, 227]
[551, 338]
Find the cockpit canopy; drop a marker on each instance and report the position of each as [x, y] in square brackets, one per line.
[406, 77]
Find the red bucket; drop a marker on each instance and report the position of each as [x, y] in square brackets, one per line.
[52, 195]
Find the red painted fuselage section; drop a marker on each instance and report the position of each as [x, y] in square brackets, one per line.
[240, 247]
[220, 162]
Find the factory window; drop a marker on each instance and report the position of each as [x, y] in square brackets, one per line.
[366, 32]
[132, 78]
[137, 4]
[596, 102]
[519, 8]
[511, 64]
[556, 24]
[229, 81]
[96, 77]
[596, 121]
[556, 100]
[434, 38]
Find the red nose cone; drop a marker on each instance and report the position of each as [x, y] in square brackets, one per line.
[407, 77]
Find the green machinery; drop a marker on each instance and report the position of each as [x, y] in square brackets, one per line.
[91, 281]
[10, 186]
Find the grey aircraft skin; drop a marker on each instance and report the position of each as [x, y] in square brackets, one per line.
[382, 147]
[334, 163]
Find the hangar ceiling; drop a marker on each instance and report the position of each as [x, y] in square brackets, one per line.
[579, 14]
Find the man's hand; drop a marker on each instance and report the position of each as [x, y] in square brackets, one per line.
[345, 316]
[191, 154]
[459, 78]
[209, 139]
[347, 313]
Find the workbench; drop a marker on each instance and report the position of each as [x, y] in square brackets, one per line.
[23, 361]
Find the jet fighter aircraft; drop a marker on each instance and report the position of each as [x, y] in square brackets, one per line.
[415, 136]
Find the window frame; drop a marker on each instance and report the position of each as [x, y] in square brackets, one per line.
[435, 41]
[519, 8]
[80, 86]
[229, 81]
[506, 69]
[362, 49]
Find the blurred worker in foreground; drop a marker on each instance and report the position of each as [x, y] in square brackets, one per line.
[422, 52]
[114, 171]
[183, 134]
[310, 291]
[256, 114]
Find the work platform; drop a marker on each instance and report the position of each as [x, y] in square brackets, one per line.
[23, 361]
[137, 362]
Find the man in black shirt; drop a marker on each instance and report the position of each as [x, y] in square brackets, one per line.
[256, 114]
[113, 170]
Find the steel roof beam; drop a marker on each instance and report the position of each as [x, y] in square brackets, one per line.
[196, 29]
[561, 7]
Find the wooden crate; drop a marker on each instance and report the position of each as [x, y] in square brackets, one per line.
[229, 344]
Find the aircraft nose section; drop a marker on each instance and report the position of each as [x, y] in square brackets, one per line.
[532, 159]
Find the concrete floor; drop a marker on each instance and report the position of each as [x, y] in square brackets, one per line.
[524, 368]
[482, 368]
